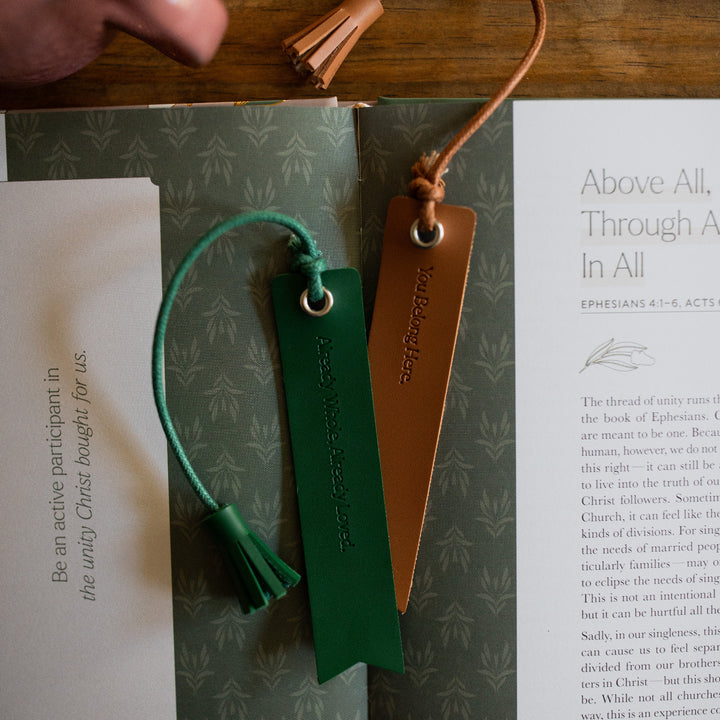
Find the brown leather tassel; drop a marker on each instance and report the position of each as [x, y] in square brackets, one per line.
[320, 48]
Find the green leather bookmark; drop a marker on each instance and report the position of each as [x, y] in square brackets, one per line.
[337, 471]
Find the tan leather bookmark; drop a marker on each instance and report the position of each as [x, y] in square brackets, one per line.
[412, 341]
[423, 271]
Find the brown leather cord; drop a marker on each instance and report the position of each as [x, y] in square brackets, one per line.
[427, 184]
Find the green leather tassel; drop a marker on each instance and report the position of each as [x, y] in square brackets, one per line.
[257, 573]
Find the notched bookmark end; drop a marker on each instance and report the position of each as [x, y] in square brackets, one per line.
[385, 653]
[380, 647]
[319, 49]
[257, 573]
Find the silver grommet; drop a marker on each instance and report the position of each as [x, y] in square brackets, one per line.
[319, 312]
[436, 239]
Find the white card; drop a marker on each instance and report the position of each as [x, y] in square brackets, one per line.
[85, 597]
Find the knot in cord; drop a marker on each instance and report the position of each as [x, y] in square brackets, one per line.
[427, 189]
[310, 263]
[426, 185]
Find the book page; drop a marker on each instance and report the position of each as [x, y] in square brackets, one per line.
[222, 371]
[618, 405]
[85, 600]
[459, 629]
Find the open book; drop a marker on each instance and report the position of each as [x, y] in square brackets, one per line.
[568, 566]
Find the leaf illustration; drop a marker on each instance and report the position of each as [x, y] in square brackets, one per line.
[178, 125]
[495, 436]
[374, 159]
[217, 160]
[458, 168]
[452, 472]
[493, 200]
[221, 320]
[258, 127]
[185, 517]
[189, 286]
[230, 625]
[297, 159]
[260, 197]
[184, 362]
[494, 279]
[266, 516]
[265, 439]
[619, 356]
[225, 473]
[190, 436]
[495, 357]
[497, 666]
[494, 129]
[179, 204]
[382, 691]
[456, 626]
[138, 159]
[259, 282]
[271, 665]
[259, 362]
[422, 592]
[496, 513]
[455, 701]
[339, 200]
[193, 667]
[497, 590]
[100, 129]
[458, 394]
[23, 129]
[413, 124]
[62, 162]
[349, 678]
[224, 396]
[419, 663]
[335, 127]
[310, 701]
[232, 700]
[454, 549]
[223, 248]
[191, 592]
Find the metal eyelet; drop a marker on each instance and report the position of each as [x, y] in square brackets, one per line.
[438, 235]
[319, 312]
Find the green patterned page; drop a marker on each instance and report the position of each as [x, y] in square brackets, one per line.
[222, 364]
[459, 632]
[222, 369]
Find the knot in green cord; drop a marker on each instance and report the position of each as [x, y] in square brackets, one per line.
[310, 263]
[307, 259]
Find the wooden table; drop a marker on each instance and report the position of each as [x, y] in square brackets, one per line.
[429, 48]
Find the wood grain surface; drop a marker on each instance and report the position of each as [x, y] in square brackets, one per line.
[428, 48]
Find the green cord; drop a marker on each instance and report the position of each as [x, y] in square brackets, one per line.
[307, 259]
